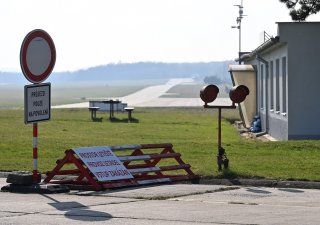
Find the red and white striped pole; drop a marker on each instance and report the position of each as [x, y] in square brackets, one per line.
[35, 153]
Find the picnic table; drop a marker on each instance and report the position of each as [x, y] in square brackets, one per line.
[110, 105]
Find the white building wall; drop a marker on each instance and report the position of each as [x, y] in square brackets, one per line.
[273, 118]
[303, 69]
[293, 106]
[277, 93]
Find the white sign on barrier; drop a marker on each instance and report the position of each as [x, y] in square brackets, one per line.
[103, 163]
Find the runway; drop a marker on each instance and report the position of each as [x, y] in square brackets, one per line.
[151, 97]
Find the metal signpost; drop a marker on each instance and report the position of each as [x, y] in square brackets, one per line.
[37, 59]
[237, 95]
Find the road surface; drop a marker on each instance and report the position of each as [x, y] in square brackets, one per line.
[175, 204]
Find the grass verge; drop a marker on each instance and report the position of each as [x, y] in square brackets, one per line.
[192, 131]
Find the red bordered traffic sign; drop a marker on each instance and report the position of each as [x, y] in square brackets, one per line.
[37, 56]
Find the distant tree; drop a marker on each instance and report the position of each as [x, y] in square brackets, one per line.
[305, 8]
[212, 80]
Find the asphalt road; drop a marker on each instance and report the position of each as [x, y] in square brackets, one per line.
[165, 204]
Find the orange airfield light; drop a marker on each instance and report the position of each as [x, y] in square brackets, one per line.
[209, 93]
[239, 93]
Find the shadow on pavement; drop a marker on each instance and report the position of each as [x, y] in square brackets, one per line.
[78, 211]
[291, 190]
[87, 215]
[258, 191]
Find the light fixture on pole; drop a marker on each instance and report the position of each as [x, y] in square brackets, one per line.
[239, 18]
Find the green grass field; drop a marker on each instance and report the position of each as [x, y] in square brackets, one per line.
[192, 131]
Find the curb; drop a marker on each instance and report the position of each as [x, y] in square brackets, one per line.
[5, 174]
[262, 183]
[241, 182]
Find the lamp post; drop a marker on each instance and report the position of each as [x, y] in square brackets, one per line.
[239, 18]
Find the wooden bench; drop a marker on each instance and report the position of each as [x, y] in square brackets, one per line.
[129, 110]
[93, 111]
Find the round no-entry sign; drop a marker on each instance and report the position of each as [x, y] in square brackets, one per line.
[37, 56]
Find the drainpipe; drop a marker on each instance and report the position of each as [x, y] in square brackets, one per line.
[260, 59]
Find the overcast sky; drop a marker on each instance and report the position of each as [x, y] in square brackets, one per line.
[95, 32]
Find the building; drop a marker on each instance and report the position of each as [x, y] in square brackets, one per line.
[287, 69]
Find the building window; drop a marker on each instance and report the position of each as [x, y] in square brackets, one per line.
[271, 86]
[277, 81]
[284, 85]
[261, 86]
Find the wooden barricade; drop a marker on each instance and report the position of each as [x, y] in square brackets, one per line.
[147, 163]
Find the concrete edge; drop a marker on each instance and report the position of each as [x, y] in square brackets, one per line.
[240, 182]
[5, 174]
[262, 183]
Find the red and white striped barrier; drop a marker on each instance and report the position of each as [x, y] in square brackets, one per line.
[147, 163]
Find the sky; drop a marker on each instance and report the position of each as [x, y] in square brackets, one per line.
[89, 33]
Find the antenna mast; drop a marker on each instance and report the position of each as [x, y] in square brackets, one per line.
[239, 18]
